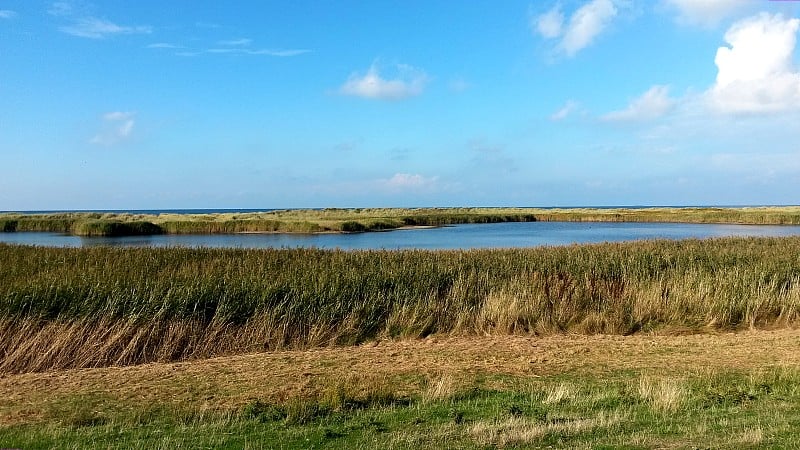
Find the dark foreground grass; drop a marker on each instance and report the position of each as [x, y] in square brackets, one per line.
[756, 409]
[371, 219]
[94, 307]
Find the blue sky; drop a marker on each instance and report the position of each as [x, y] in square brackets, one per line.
[261, 104]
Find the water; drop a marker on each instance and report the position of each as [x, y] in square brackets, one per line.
[500, 235]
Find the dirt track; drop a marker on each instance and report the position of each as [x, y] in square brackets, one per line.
[229, 381]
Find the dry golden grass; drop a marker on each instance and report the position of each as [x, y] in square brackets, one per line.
[522, 430]
[559, 393]
[439, 388]
[434, 367]
[664, 395]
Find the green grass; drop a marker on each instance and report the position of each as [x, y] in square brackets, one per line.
[759, 409]
[375, 219]
[89, 307]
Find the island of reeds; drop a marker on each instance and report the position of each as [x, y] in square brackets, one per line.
[370, 219]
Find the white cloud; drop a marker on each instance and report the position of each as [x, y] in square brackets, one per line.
[265, 51]
[403, 181]
[707, 12]
[410, 82]
[650, 105]
[164, 45]
[585, 24]
[549, 24]
[242, 42]
[117, 127]
[756, 73]
[94, 28]
[60, 9]
[7, 14]
[565, 110]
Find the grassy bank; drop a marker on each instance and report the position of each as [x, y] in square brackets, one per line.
[723, 411]
[723, 391]
[371, 219]
[92, 307]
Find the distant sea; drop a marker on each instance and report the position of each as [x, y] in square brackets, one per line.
[252, 210]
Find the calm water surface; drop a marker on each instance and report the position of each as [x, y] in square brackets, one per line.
[525, 234]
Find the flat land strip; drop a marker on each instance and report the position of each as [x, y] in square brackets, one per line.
[371, 219]
[504, 386]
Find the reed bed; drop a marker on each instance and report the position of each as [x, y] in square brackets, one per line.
[91, 307]
[372, 219]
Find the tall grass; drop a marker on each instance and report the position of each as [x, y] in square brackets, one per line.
[85, 307]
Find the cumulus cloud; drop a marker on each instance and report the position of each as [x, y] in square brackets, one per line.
[406, 181]
[117, 127]
[650, 105]
[94, 28]
[755, 73]
[706, 12]
[7, 14]
[585, 24]
[409, 82]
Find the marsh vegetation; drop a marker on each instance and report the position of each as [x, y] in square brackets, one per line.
[93, 307]
[370, 219]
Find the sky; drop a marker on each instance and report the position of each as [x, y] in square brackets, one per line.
[264, 104]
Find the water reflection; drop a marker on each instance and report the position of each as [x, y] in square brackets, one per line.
[531, 234]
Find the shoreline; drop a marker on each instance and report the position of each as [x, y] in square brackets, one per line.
[373, 220]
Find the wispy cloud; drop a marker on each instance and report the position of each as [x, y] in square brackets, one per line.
[583, 27]
[264, 51]
[491, 156]
[347, 146]
[165, 45]
[407, 181]
[209, 25]
[459, 85]
[707, 12]
[241, 42]
[550, 24]
[408, 82]
[117, 127]
[652, 104]
[95, 28]
[241, 46]
[7, 14]
[756, 73]
[569, 107]
[60, 9]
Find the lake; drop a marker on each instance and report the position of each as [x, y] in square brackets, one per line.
[499, 235]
